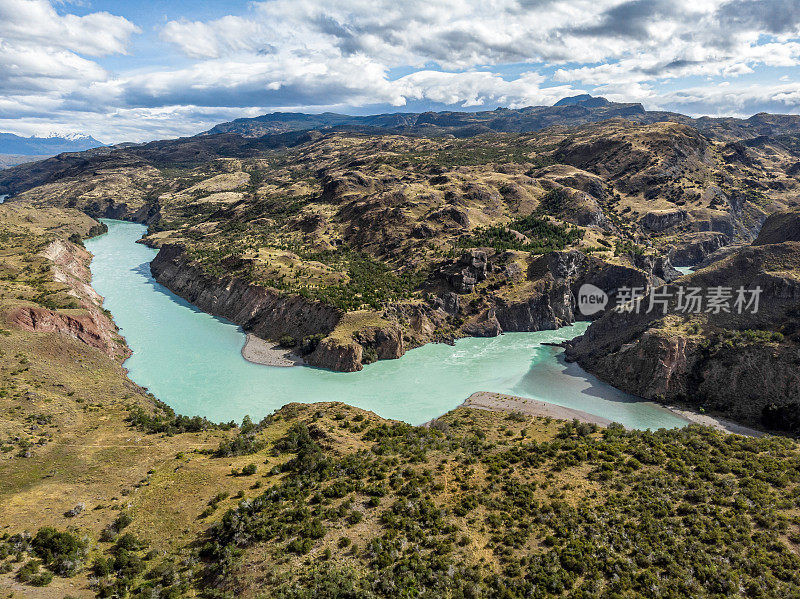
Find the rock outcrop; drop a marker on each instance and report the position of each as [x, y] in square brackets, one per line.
[89, 324]
[469, 270]
[660, 220]
[337, 355]
[90, 328]
[549, 288]
[697, 247]
[742, 362]
[780, 227]
[259, 310]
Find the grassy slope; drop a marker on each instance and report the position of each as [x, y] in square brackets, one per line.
[496, 505]
[64, 405]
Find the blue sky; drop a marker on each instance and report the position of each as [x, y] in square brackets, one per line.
[155, 69]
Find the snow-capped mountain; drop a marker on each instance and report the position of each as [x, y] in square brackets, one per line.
[54, 143]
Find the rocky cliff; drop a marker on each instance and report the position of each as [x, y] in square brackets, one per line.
[742, 364]
[69, 265]
[543, 296]
[262, 311]
[329, 337]
[518, 293]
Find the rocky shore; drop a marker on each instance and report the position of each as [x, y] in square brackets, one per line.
[267, 353]
[498, 402]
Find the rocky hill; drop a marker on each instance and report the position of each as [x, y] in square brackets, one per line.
[400, 240]
[741, 362]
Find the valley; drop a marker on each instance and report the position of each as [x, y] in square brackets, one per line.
[144, 457]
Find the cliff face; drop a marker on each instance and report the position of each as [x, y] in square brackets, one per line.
[271, 315]
[89, 324]
[258, 310]
[94, 331]
[697, 247]
[745, 365]
[743, 380]
[345, 341]
[558, 277]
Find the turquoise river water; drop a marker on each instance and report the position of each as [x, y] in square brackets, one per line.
[192, 360]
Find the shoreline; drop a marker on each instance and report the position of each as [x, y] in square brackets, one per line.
[716, 422]
[268, 353]
[499, 402]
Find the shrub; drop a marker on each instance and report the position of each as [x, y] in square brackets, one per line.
[164, 420]
[103, 566]
[287, 341]
[246, 441]
[129, 542]
[369, 355]
[62, 552]
[543, 236]
[31, 574]
[354, 517]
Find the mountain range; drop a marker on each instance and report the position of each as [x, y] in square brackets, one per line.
[46, 146]
[567, 112]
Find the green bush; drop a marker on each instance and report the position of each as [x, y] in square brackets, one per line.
[62, 552]
[246, 441]
[543, 236]
[287, 341]
[164, 420]
[31, 574]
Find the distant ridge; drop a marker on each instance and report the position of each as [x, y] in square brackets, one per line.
[46, 146]
[571, 111]
[584, 100]
[577, 110]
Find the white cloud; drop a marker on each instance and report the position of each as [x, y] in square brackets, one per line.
[36, 23]
[318, 54]
[479, 88]
[45, 53]
[453, 33]
[731, 99]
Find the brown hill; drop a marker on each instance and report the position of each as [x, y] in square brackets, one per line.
[739, 362]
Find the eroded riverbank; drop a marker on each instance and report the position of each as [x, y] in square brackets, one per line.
[193, 361]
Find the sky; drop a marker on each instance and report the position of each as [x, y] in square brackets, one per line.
[140, 70]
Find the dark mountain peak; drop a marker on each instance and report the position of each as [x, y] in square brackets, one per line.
[578, 110]
[585, 100]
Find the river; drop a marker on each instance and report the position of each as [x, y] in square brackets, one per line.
[192, 361]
